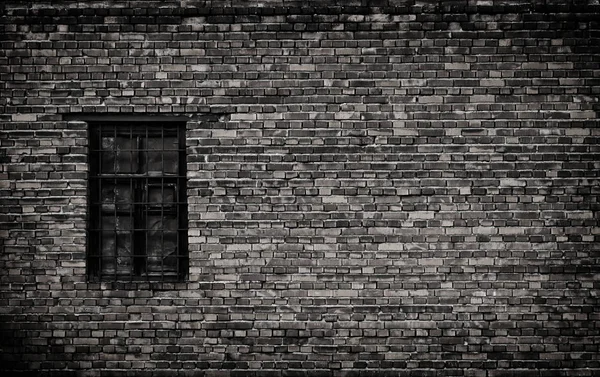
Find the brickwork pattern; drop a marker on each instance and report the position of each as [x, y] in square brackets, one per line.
[383, 188]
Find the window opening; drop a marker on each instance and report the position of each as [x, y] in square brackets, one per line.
[138, 216]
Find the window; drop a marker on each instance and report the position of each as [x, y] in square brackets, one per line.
[137, 228]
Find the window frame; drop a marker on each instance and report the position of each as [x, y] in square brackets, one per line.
[140, 206]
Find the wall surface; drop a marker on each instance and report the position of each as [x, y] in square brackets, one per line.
[404, 188]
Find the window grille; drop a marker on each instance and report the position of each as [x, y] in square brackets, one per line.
[138, 216]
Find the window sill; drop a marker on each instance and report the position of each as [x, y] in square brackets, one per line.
[125, 286]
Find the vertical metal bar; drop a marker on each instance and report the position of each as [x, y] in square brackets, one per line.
[181, 209]
[162, 204]
[115, 171]
[95, 240]
[134, 208]
[143, 156]
[177, 198]
[98, 198]
[101, 229]
[141, 199]
[139, 221]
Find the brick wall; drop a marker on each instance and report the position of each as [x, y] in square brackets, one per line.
[404, 189]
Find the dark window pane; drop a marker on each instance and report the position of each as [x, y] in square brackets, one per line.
[108, 155]
[158, 194]
[126, 149]
[171, 163]
[171, 156]
[162, 244]
[120, 195]
[161, 156]
[119, 155]
[116, 245]
[157, 224]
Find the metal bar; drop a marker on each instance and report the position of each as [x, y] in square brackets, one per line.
[162, 199]
[139, 223]
[134, 193]
[116, 243]
[181, 206]
[95, 239]
[144, 161]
